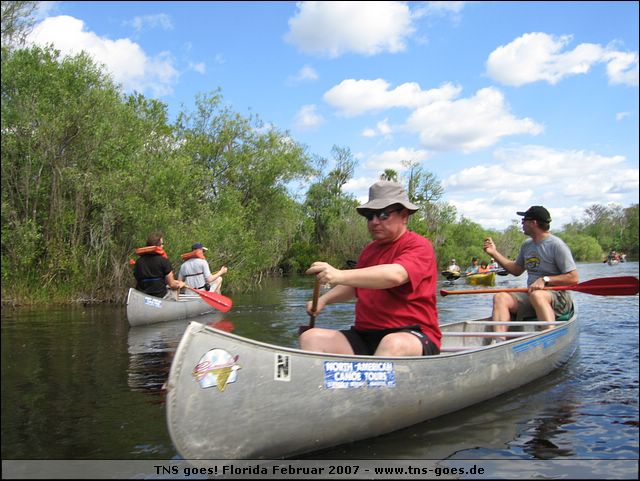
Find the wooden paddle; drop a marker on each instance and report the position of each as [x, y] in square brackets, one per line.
[314, 306]
[220, 302]
[605, 286]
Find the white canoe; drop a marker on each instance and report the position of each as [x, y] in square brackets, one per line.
[143, 309]
[230, 397]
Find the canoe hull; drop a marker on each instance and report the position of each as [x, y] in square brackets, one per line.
[265, 402]
[143, 309]
[485, 279]
[450, 275]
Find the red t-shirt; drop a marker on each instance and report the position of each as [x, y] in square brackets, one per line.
[413, 303]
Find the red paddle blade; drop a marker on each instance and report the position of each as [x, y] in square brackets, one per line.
[224, 325]
[218, 301]
[609, 286]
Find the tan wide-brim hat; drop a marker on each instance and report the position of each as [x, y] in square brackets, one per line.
[385, 193]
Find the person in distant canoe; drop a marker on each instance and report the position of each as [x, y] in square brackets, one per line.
[153, 270]
[493, 265]
[548, 262]
[473, 268]
[453, 267]
[484, 268]
[394, 284]
[195, 271]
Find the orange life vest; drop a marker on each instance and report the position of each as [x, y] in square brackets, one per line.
[149, 250]
[193, 254]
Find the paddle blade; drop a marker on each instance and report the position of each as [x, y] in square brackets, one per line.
[220, 302]
[215, 300]
[609, 286]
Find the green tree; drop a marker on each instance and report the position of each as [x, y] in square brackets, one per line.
[17, 21]
[243, 171]
[583, 247]
[338, 230]
[86, 174]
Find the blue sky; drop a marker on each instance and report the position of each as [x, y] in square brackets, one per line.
[509, 104]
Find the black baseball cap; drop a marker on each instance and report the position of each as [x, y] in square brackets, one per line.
[536, 212]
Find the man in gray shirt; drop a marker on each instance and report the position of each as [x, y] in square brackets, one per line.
[548, 262]
[195, 270]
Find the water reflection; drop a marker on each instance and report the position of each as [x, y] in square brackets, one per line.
[548, 427]
[151, 350]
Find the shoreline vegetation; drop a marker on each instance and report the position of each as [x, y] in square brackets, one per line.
[88, 172]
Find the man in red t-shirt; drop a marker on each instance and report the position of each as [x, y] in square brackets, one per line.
[394, 284]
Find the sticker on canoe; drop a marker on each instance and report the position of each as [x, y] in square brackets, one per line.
[153, 301]
[216, 368]
[343, 375]
[282, 367]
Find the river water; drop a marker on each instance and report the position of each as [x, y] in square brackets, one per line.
[78, 383]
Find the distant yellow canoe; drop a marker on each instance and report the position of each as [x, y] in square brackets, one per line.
[485, 279]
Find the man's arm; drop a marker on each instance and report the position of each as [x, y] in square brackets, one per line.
[511, 266]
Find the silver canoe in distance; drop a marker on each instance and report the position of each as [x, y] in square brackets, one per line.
[229, 397]
[143, 309]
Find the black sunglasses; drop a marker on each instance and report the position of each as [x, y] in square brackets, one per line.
[380, 214]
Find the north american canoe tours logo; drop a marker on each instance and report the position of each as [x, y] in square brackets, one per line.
[216, 368]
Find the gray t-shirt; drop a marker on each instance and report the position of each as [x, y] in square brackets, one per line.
[195, 272]
[550, 257]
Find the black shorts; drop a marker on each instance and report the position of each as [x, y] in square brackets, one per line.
[366, 342]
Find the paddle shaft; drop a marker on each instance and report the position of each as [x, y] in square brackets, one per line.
[314, 303]
[314, 306]
[606, 286]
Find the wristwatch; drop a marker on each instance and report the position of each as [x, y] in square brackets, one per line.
[546, 280]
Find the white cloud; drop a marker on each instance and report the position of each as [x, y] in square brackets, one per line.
[307, 118]
[335, 28]
[562, 180]
[160, 20]
[538, 56]
[124, 59]
[393, 159]
[356, 97]
[622, 115]
[442, 121]
[442, 8]
[622, 68]
[381, 128]
[468, 124]
[306, 73]
[199, 67]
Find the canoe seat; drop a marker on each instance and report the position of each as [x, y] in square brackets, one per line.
[561, 318]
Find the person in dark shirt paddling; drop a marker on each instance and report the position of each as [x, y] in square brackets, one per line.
[153, 271]
[394, 284]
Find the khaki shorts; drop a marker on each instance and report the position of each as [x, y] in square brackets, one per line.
[562, 303]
